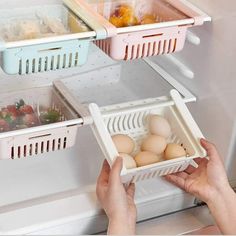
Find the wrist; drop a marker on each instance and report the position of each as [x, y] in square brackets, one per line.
[124, 216]
[223, 210]
[220, 196]
[121, 226]
[127, 220]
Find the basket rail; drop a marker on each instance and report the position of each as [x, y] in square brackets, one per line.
[73, 102]
[102, 135]
[82, 11]
[191, 10]
[190, 122]
[80, 6]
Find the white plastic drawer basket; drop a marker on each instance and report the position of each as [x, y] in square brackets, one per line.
[131, 119]
[41, 137]
[32, 51]
[166, 35]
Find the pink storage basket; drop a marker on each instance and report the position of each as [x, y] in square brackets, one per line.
[144, 44]
[167, 36]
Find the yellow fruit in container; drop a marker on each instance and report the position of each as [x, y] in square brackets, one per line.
[125, 9]
[148, 19]
[174, 151]
[129, 20]
[123, 16]
[116, 21]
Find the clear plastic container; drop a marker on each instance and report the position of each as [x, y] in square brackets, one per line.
[45, 38]
[144, 28]
[39, 22]
[128, 13]
[38, 120]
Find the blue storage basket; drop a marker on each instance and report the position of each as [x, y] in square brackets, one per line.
[50, 53]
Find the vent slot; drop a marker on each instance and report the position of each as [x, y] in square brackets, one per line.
[153, 35]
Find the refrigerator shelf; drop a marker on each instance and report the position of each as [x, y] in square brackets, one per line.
[45, 38]
[143, 29]
[47, 122]
[131, 120]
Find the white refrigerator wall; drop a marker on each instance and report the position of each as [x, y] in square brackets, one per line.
[214, 82]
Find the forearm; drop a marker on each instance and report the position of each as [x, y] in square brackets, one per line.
[223, 209]
[121, 227]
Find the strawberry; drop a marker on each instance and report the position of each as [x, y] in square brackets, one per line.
[9, 116]
[4, 126]
[30, 120]
[26, 109]
[13, 111]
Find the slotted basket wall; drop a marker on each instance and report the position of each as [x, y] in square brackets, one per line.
[45, 57]
[144, 44]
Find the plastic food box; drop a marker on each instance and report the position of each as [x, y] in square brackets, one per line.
[144, 28]
[39, 132]
[131, 119]
[44, 38]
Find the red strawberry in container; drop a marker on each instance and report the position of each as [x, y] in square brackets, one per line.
[4, 126]
[9, 115]
[13, 110]
[30, 120]
[26, 109]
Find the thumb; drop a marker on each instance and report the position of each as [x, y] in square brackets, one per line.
[211, 150]
[116, 170]
[131, 191]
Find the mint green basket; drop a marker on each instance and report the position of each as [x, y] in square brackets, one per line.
[45, 57]
[48, 53]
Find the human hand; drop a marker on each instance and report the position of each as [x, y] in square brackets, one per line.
[116, 200]
[206, 181]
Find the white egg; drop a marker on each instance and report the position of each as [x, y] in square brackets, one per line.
[174, 151]
[155, 144]
[123, 143]
[128, 161]
[146, 158]
[158, 125]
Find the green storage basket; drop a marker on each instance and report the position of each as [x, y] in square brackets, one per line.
[48, 53]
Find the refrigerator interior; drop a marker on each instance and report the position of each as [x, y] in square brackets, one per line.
[59, 183]
[43, 179]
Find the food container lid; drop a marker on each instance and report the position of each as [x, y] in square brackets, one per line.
[45, 24]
